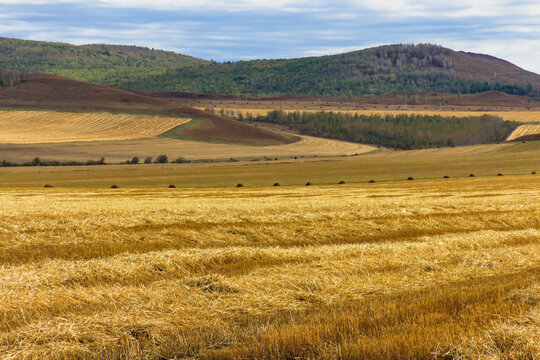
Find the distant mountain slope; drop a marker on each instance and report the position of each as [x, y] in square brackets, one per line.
[383, 69]
[50, 92]
[104, 64]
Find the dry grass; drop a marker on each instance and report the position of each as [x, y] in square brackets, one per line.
[30, 127]
[520, 116]
[413, 270]
[514, 158]
[524, 130]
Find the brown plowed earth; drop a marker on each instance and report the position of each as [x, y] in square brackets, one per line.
[485, 99]
[50, 92]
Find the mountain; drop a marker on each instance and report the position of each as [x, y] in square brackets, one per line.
[51, 92]
[379, 70]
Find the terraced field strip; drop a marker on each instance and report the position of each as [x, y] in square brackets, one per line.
[524, 130]
[520, 116]
[30, 127]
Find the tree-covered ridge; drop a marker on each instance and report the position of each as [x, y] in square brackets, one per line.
[404, 131]
[383, 69]
[103, 64]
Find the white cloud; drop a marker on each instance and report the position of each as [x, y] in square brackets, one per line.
[199, 5]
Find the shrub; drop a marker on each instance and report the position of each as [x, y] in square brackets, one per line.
[114, 186]
[276, 184]
[148, 160]
[179, 160]
[371, 181]
[308, 183]
[48, 186]
[341, 182]
[239, 185]
[410, 178]
[162, 159]
[135, 160]
[172, 186]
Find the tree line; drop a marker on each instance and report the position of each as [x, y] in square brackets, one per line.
[403, 131]
[10, 77]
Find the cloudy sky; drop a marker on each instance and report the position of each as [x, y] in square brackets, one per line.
[246, 29]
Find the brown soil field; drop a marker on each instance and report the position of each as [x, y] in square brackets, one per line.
[30, 127]
[488, 101]
[49, 92]
[433, 269]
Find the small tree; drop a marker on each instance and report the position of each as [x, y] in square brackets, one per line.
[148, 160]
[162, 159]
[135, 160]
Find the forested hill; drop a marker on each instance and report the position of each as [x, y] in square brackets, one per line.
[384, 69]
[102, 64]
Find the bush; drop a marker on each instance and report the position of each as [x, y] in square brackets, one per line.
[162, 159]
[135, 160]
[148, 160]
[179, 160]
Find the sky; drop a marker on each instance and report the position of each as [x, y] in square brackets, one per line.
[229, 30]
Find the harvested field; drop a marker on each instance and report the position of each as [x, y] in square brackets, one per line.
[31, 127]
[519, 116]
[118, 151]
[409, 270]
[526, 131]
[515, 158]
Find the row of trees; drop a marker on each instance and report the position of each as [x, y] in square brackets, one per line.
[10, 77]
[161, 159]
[402, 131]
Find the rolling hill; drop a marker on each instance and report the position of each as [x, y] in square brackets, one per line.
[50, 92]
[383, 69]
[103, 64]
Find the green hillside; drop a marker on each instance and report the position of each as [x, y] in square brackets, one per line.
[102, 64]
[384, 69]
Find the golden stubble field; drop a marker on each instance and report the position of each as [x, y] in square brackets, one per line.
[519, 116]
[31, 127]
[410, 270]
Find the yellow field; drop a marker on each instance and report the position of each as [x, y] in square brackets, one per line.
[521, 116]
[524, 130]
[407, 270]
[30, 127]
